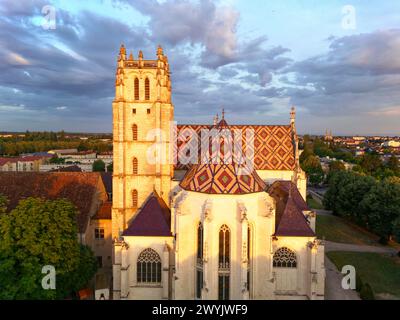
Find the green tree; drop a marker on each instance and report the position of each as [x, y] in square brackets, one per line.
[37, 233]
[99, 166]
[393, 165]
[110, 167]
[382, 204]
[370, 163]
[336, 166]
[312, 166]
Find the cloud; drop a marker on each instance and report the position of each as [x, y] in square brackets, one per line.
[359, 74]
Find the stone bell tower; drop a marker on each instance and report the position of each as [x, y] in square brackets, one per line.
[142, 111]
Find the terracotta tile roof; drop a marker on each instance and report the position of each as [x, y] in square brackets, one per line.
[273, 144]
[105, 211]
[290, 220]
[3, 161]
[78, 187]
[152, 219]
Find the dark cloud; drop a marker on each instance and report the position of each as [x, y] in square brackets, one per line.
[359, 74]
[64, 78]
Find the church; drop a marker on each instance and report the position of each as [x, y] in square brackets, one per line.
[209, 211]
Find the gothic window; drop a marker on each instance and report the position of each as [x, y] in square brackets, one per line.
[134, 198]
[224, 263]
[199, 264]
[147, 89]
[134, 132]
[136, 88]
[284, 258]
[149, 267]
[135, 166]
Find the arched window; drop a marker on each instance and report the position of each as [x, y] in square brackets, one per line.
[199, 264]
[134, 166]
[224, 263]
[149, 267]
[134, 132]
[134, 198]
[136, 89]
[284, 258]
[147, 89]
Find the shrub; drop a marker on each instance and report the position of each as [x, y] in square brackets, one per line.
[359, 283]
[366, 292]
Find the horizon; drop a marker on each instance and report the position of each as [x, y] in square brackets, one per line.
[250, 59]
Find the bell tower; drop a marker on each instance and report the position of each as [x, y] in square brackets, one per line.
[142, 112]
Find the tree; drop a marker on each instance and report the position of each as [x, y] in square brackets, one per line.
[99, 166]
[336, 166]
[110, 167]
[382, 204]
[312, 167]
[370, 163]
[57, 160]
[393, 165]
[35, 234]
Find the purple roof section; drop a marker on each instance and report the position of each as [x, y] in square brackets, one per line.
[293, 223]
[290, 220]
[152, 220]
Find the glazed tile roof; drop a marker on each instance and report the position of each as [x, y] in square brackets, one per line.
[290, 220]
[78, 187]
[152, 219]
[221, 179]
[273, 144]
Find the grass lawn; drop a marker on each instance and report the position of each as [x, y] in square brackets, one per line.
[381, 271]
[314, 204]
[336, 229]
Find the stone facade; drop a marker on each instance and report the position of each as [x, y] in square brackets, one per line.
[204, 232]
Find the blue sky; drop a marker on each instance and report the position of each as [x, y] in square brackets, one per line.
[253, 58]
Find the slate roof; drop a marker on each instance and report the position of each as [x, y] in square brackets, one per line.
[290, 220]
[152, 219]
[78, 187]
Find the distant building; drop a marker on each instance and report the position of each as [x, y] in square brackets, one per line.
[60, 152]
[27, 164]
[87, 191]
[391, 144]
[328, 135]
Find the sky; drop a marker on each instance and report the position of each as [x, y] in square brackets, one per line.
[337, 62]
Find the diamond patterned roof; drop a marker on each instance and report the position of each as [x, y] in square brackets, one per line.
[221, 179]
[223, 172]
[273, 145]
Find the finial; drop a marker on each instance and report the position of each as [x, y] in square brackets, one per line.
[223, 113]
[159, 51]
[216, 117]
[131, 56]
[292, 115]
[215, 120]
[140, 55]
